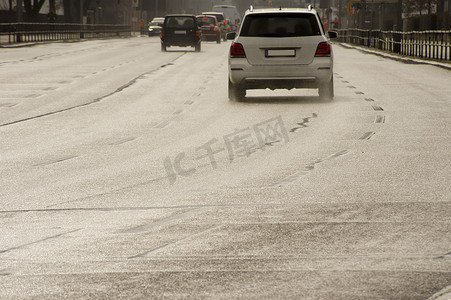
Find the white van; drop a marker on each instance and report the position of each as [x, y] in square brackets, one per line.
[230, 12]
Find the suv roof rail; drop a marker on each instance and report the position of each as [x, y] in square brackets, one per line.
[310, 7]
[251, 8]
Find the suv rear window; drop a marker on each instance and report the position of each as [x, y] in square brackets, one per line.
[280, 25]
[180, 22]
[206, 20]
[219, 17]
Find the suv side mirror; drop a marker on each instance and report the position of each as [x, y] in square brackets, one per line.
[332, 34]
[231, 35]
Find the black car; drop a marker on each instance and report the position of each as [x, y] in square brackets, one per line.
[182, 31]
[154, 27]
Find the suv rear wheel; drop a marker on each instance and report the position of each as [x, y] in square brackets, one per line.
[326, 91]
[163, 47]
[236, 92]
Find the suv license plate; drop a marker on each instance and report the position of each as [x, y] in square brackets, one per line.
[180, 31]
[280, 53]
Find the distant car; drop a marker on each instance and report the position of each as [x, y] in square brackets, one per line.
[155, 26]
[221, 21]
[281, 49]
[231, 13]
[210, 28]
[180, 30]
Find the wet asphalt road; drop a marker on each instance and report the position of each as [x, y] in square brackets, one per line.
[127, 173]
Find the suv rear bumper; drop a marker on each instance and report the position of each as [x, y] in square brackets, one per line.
[312, 75]
[210, 36]
[180, 41]
[280, 82]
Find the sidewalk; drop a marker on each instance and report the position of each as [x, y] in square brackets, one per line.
[405, 59]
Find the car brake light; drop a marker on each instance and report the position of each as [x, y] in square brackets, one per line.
[237, 51]
[323, 50]
[162, 33]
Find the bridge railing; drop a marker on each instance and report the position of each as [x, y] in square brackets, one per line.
[431, 44]
[12, 33]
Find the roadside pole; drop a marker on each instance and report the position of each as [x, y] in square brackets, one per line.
[19, 20]
[82, 25]
[399, 27]
[19, 11]
[135, 4]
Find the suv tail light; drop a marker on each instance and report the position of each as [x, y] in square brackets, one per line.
[323, 50]
[237, 51]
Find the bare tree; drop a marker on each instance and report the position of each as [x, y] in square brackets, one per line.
[52, 11]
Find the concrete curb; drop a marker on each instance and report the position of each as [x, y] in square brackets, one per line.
[404, 59]
[31, 44]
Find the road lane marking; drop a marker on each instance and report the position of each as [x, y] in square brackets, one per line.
[8, 104]
[377, 107]
[380, 119]
[307, 168]
[191, 236]
[38, 241]
[54, 161]
[33, 96]
[367, 135]
[444, 255]
[165, 221]
[162, 124]
[123, 141]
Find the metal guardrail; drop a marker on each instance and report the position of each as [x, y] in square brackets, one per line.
[431, 44]
[12, 33]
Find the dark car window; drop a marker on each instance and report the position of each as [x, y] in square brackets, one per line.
[156, 23]
[280, 25]
[219, 17]
[206, 21]
[180, 22]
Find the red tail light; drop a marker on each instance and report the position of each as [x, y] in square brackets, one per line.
[237, 51]
[323, 50]
[162, 33]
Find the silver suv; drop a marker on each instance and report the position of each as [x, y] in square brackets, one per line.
[281, 49]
